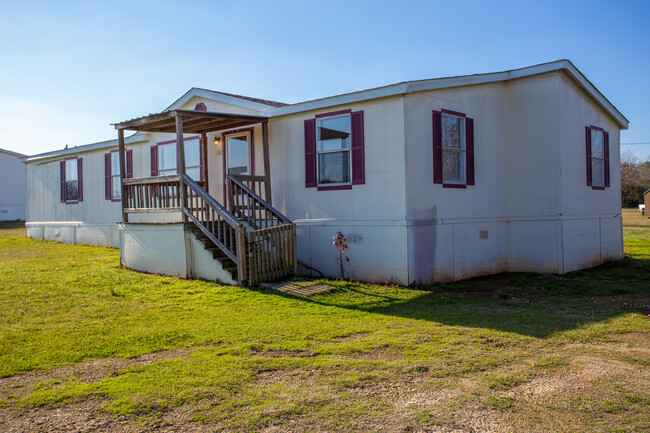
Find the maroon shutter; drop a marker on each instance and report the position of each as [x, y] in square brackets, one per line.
[588, 141]
[107, 176]
[358, 158]
[63, 181]
[606, 151]
[469, 149]
[310, 153]
[80, 173]
[154, 161]
[437, 147]
[129, 164]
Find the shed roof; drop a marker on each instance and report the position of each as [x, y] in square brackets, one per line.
[193, 121]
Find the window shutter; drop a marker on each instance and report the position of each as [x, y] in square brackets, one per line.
[154, 161]
[107, 176]
[588, 141]
[469, 150]
[129, 164]
[310, 153]
[437, 147]
[80, 172]
[63, 181]
[358, 157]
[606, 152]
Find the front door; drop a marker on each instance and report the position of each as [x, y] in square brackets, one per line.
[238, 155]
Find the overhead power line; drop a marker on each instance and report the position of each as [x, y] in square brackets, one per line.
[632, 144]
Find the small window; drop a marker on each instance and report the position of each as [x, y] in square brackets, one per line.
[71, 180]
[116, 184]
[453, 149]
[597, 157]
[333, 141]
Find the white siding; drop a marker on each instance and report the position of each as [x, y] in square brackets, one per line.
[12, 188]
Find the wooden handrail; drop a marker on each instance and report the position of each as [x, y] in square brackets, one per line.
[256, 203]
[219, 225]
[151, 180]
[200, 192]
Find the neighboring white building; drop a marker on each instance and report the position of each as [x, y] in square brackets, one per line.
[432, 180]
[12, 186]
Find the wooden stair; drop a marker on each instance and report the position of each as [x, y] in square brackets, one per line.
[227, 264]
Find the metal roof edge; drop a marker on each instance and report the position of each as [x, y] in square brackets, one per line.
[216, 96]
[12, 153]
[448, 82]
[135, 138]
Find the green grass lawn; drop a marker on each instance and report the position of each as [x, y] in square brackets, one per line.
[76, 328]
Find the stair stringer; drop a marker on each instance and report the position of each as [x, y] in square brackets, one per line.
[204, 265]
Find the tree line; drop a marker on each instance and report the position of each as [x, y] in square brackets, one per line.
[635, 179]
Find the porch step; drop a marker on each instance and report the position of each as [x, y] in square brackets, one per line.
[217, 254]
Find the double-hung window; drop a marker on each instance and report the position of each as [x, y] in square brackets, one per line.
[71, 180]
[334, 150]
[597, 157]
[163, 158]
[453, 149]
[113, 182]
[333, 141]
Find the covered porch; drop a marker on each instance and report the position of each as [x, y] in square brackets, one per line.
[247, 238]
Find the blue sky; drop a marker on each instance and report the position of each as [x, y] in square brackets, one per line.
[71, 68]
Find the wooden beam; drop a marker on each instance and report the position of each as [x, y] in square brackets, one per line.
[122, 152]
[180, 163]
[267, 161]
[204, 144]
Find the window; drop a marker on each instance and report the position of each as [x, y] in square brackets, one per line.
[333, 140]
[237, 154]
[71, 180]
[113, 183]
[163, 158]
[334, 150]
[597, 157]
[453, 149]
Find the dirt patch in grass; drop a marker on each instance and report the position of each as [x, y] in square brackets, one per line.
[84, 372]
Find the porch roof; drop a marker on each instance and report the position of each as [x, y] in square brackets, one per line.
[197, 122]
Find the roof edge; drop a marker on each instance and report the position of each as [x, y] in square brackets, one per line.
[100, 145]
[457, 81]
[12, 153]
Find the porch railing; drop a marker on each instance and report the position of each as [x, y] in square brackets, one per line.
[153, 194]
[252, 208]
[257, 184]
[272, 253]
[219, 225]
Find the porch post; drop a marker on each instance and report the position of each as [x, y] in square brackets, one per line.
[204, 163]
[122, 152]
[180, 164]
[267, 161]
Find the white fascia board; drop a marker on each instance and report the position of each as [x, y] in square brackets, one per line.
[41, 157]
[216, 96]
[12, 153]
[598, 97]
[443, 83]
[349, 98]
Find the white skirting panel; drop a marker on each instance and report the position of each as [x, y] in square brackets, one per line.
[167, 249]
[75, 232]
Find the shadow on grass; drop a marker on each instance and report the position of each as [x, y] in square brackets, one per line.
[536, 305]
[8, 225]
